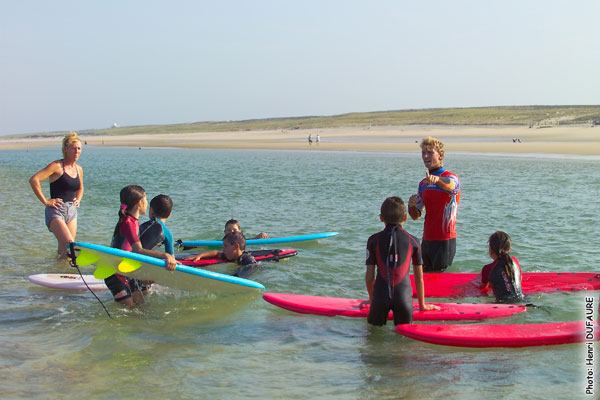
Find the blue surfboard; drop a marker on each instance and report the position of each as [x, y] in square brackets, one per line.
[109, 261]
[259, 242]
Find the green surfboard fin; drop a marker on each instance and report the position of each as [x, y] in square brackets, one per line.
[104, 271]
[86, 258]
[128, 265]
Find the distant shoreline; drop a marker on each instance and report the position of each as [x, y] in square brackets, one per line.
[573, 140]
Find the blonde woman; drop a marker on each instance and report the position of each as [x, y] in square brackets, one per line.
[66, 190]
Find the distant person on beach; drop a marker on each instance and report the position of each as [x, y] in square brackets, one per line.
[234, 226]
[439, 195]
[310, 139]
[129, 291]
[234, 250]
[503, 276]
[154, 233]
[66, 190]
[392, 251]
[318, 139]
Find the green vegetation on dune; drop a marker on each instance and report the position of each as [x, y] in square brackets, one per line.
[512, 115]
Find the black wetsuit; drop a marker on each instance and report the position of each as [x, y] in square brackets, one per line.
[392, 250]
[505, 281]
[151, 234]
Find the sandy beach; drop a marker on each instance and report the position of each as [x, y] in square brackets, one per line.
[572, 140]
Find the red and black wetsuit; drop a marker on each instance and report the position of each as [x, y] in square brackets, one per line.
[120, 286]
[439, 230]
[392, 250]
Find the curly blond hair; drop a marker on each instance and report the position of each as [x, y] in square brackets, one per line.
[68, 140]
[436, 143]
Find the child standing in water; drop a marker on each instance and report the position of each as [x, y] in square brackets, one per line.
[154, 233]
[392, 251]
[128, 291]
[503, 275]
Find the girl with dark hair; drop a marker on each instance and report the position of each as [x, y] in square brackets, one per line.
[503, 275]
[126, 291]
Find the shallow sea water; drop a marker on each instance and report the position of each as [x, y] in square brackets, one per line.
[58, 344]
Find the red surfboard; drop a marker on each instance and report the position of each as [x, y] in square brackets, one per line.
[468, 284]
[333, 306]
[503, 335]
[259, 255]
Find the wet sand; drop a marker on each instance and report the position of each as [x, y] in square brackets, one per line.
[573, 140]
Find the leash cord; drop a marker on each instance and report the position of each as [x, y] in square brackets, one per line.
[74, 265]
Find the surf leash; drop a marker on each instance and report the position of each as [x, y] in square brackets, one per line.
[74, 265]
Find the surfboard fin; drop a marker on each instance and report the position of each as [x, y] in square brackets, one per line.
[86, 258]
[128, 265]
[104, 271]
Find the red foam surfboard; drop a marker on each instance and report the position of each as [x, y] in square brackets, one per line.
[552, 333]
[333, 306]
[259, 255]
[447, 284]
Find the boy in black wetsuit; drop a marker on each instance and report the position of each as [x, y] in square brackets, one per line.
[392, 251]
[154, 232]
[234, 250]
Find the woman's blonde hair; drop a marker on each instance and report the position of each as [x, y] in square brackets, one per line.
[68, 140]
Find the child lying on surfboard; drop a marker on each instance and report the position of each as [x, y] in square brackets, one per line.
[234, 250]
[503, 276]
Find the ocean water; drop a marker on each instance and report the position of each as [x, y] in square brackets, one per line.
[59, 344]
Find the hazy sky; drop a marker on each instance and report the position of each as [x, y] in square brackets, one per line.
[88, 64]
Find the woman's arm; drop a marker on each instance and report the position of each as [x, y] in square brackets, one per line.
[42, 175]
[79, 194]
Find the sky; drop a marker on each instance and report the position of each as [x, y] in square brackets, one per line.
[76, 65]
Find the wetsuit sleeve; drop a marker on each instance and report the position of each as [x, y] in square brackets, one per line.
[129, 230]
[454, 179]
[246, 259]
[485, 274]
[371, 251]
[169, 248]
[417, 256]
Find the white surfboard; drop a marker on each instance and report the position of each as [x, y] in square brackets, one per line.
[67, 281]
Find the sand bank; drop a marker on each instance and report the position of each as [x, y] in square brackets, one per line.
[573, 140]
